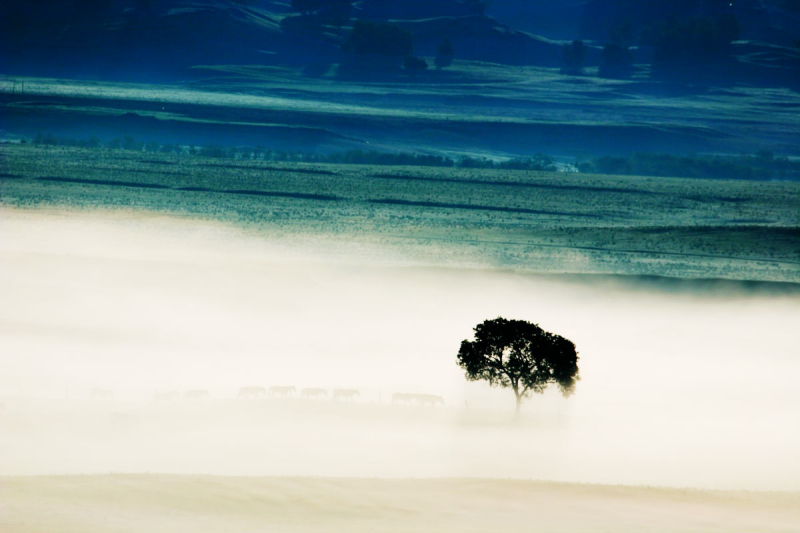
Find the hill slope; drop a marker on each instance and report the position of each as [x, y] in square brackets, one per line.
[122, 38]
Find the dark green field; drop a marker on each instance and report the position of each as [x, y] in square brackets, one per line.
[522, 220]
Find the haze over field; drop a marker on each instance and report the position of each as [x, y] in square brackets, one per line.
[679, 388]
[249, 249]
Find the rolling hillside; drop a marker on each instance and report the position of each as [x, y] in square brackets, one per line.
[124, 39]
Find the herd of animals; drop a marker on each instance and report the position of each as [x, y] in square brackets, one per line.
[288, 391]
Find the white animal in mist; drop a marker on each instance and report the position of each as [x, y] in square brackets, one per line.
[252, 392]
[314, 393]
[196, 394]
[428, 400]
[345, 394]
[283, 391]
[168, 396]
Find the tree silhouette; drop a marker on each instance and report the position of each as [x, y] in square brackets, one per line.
[379, 38]
[616, 61]
[414, 64]
[574, 57]
[444, 54]
[693, 42]
[519, 355]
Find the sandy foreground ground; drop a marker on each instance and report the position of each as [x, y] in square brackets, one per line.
[198, 504]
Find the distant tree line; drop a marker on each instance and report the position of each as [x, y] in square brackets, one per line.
[366, 157]
[760, 166]
[370, 45]
[695, 42]
[380, 45]
[684, 38]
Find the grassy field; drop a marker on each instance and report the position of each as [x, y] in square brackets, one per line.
[470, 108]
[89, 504]
[523, 220]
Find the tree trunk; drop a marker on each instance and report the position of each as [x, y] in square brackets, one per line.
[518, 396]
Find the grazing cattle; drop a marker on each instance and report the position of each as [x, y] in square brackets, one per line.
[431, 400]
[197, 394]
[252, 392]
[345, 394]
[312, 393]
[427, 400]
[283, 391]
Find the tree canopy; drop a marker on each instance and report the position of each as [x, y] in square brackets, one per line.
[519, 355]
[616, 61]
[379, 38]
[444, 54]
[574, 57]
[414, 64]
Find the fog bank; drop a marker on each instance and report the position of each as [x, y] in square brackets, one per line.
[104, 312]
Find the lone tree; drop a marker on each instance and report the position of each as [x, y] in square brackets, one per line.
[519, 355]
[616, 61]
[445, 54]
[414, 64]
[379, 38]
[573, 58]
